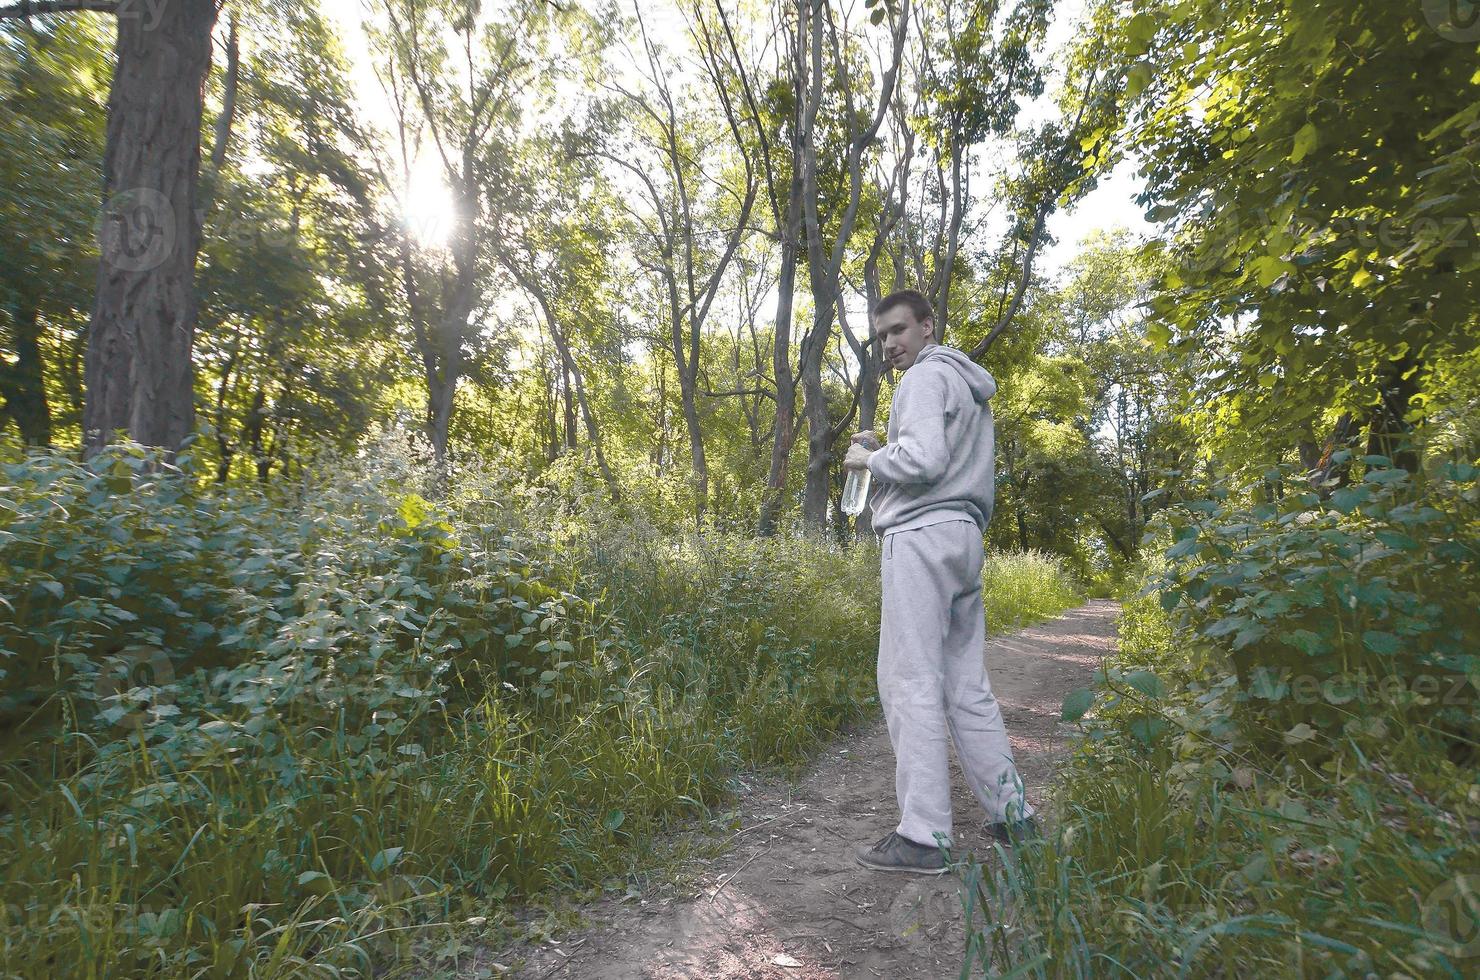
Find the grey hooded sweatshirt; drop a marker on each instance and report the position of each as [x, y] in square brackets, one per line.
[939, 464]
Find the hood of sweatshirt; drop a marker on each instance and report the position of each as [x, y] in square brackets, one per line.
[978, 380]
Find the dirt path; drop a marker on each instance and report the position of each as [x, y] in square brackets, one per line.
[789, 889]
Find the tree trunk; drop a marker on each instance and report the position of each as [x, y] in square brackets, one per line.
[1389, 433]
[700, 465]
[820, 436]
[138, 369]
[23, 386]
[569, 402]
[441, 394]
[819, 447]
[785, 433]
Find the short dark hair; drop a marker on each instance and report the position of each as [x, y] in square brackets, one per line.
[913, 298]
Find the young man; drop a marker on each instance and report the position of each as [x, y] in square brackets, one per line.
[933, 501]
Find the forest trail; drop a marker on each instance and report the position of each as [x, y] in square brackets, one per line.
[789, 889]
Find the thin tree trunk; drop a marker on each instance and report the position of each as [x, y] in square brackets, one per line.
[138, 371]
[700, 465]
[816, 491]
[568, 401]
[825, 261]
[1388, 429]
[23, 386]
[785, 433]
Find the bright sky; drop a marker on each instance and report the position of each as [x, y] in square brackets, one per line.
[1108, 206]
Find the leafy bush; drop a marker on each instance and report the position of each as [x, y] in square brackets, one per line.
[1324, 607]
[345, 716]
[1267, 782]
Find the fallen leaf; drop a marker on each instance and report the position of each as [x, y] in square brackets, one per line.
[781, 959]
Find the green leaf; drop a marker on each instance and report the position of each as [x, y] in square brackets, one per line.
[1147, 683]
[1306, 642]
[1146, 730]
[1268, 268]
[1347, 499]
[385, 859]
[1305, 141]
[614, 820]
[316, 882]
[1077, 704]
[1186, 546]
[1381, 642]
[1300, 733]
[1137, 79]
[1225, 626]
[1256, 869]
[1252, 634]
[1140, 30]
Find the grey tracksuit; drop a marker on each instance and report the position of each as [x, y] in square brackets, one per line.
[933, 498]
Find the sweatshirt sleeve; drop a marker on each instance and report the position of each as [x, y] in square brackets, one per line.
[918, 453]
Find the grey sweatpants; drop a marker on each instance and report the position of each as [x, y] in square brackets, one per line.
[933, 680]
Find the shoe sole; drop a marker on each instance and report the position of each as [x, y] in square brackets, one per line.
[900, 868]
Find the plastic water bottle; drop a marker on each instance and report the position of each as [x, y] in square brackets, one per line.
[855, 492]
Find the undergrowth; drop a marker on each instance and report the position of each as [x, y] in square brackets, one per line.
[330, 728]
[1278, 771]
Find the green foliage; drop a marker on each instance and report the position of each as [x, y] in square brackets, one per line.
[1322, 608]
[1274, 871]
[1278, 765]
[1318, 160]
[302, 727]
[1022, 587]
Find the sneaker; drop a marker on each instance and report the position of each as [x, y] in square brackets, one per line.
[1011, 833]
[896, 853]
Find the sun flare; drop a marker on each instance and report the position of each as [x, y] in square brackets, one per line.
[428, 206]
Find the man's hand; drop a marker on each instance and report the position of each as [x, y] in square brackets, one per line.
[868, 438]
[857, 458]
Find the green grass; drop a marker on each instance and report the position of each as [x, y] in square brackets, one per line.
[1187, 857]
[1021, 588]
[455, 722]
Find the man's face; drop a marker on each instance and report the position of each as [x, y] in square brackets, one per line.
[902, 336]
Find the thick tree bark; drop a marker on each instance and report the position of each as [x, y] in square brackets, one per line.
[138, 370]
[23, 385]
[440, 399]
